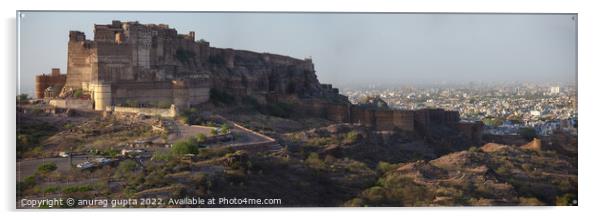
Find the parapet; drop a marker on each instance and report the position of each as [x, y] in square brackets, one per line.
[77, 36]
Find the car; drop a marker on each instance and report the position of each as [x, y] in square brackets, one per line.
[85, 165]
[64, 154]
[102, 160]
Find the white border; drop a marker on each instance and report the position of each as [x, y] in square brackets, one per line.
[589, 92]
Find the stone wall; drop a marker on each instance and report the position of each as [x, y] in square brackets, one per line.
[163, 112]
[71, 103]
[54, 79]
[473, 131]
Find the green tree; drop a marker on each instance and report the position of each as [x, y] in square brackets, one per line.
[225, 129]
[189, 146]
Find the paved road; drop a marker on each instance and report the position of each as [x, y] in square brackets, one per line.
[28, 167]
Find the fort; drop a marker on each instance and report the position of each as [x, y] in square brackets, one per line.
[129, 66]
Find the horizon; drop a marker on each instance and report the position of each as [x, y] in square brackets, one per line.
[397, 49]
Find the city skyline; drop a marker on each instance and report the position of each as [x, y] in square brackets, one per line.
[387, 48]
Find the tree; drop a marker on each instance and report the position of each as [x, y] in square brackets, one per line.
[183, 147]
[22, 97]
[225, 129]
[213, 132]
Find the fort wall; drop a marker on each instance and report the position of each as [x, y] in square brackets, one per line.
[163, 112]
[81, 104]
[54, 79]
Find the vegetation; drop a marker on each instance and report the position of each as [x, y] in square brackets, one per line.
[22, 98]
[183, 147]
[491, 121]
[125, 169]
[279, 109]
[350, 137]
[46, 168]
[30, 135]
[78, 93]
[225, 129]
[200, 138]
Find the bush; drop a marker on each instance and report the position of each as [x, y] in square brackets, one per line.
[125, 168]
[313, 160]
[384, 167]
[77, 93]
[200, 138]
[22, 98]
[47, 167]
[502, 171]
[351, 137]
[183, 147]
[225, 129]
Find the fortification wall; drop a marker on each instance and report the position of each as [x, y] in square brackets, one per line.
[81, 60]
[163, 112]
[472, 131]
[403, 119]
[44, 81]
[71, 103]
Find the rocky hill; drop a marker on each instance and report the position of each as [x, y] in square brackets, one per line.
[490, 175]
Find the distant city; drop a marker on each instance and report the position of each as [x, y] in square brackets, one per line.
[503, 108]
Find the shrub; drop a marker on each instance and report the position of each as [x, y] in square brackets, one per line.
[384, 167]
[200, 138]
[502, 171]
[22, 98]
[125, 168]
[313, 160]
[77, 93]
[183, 147]
[47, 167]
[225, 129]
[52, 189]
[351, 137]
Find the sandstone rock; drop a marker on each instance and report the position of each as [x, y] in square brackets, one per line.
[534, 145]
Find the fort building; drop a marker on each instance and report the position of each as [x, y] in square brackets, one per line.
[128, 66]
[49, 85]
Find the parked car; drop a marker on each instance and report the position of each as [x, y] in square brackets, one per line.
[85, 165]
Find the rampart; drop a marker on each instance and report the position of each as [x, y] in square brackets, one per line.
[44, 81]
[163, 112]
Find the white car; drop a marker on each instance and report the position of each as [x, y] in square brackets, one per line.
[85, 165]
[64, 154]
[103, 160]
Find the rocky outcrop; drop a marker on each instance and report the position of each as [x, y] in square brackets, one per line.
[491, 175]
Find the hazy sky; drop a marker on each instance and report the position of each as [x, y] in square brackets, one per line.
[349, 48]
